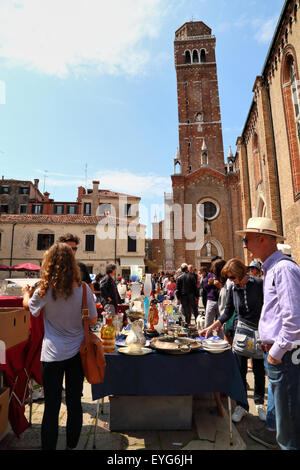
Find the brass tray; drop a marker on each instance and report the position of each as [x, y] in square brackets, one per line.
[171, 345]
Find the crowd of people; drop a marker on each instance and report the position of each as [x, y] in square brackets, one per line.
[261, 296]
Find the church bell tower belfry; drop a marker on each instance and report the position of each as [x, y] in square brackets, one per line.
[199, 116]
[202, 182]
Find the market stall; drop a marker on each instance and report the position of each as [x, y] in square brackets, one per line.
[154, 371]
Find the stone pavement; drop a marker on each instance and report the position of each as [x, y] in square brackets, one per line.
[209, 431]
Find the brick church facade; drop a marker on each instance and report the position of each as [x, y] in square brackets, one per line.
[203, 185]
[268, 150]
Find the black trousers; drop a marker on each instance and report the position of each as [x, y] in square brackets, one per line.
[189, 306]
[53, 374]
[259, 377]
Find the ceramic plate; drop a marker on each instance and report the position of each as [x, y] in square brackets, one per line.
[209, 343]
[217, 350]
[123, 343]
[131, 352]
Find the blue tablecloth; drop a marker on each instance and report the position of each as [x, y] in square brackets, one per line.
[158, 374]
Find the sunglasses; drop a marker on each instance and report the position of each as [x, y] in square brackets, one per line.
[74, 248]
[232, 278]
[245, 241]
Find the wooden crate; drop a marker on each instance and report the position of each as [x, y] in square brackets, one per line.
[14, 325]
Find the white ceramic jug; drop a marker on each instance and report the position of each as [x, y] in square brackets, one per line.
[136, 335]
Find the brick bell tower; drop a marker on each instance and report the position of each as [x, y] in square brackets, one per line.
[200, 174]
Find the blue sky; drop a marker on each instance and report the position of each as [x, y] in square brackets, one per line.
[92, 83]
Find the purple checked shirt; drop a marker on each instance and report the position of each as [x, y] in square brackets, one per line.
[279, 323]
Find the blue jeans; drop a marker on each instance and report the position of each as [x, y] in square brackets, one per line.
[271, 418]
[285, 382]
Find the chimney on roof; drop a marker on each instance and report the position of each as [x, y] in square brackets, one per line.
[95, 187]
[46, 196]
[95, 197]
[81, 192]
[36, 183]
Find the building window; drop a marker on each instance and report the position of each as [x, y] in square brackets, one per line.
[87, 208]
[37, 209]
[295, 97]
[290, 91]
[256, 160]
[58, 209]
[44, 241]
[90, 243]
[23, 208]
[104, 209]
[131, 244]
[71, 210]
[3, 209]
[188, 59]
[195, 57]
[4, 189]
[128, 209]
[24, 190]
[202, 56]
[208, 210]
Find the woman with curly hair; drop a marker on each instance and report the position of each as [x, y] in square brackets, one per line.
[59, 295]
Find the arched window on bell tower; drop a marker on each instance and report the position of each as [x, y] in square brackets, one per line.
[195, 57]
[188, 59]
[204, 154]
[202, 56]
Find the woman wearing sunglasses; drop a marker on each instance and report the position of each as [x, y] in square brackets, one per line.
[250, 294]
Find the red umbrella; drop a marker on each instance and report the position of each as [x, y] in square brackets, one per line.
[25, 267]
[4, 268]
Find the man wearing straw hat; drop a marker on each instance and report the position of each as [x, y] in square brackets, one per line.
[279, 327]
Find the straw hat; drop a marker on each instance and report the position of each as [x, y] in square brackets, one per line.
[262, 225]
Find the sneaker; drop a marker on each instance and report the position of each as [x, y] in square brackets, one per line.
[261, 410]
[264, 436]
[238, 414]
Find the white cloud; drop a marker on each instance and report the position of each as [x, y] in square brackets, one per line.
[266, 31]
[56, 37]
[146, 186]
[263, 29]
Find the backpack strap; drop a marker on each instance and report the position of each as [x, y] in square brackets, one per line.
[283, 259]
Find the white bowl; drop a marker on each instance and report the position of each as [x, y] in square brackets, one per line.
[215, 343]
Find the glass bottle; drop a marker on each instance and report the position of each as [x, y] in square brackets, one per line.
[108, 336]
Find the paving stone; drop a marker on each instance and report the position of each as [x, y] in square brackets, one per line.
[168, 438]
[210, 431]
[199, 445]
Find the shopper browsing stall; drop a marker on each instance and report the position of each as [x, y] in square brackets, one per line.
[246, 297]
[60, 298]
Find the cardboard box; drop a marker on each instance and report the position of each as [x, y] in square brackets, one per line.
[4, 401]
[149, 413]
[14, 325]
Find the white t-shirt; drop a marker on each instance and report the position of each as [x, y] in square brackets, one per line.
[63, 323]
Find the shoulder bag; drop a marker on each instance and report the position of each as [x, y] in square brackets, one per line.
[246, 340]
[91, 349]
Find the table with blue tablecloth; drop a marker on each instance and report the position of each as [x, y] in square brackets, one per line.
[159, 374]
[160, 378]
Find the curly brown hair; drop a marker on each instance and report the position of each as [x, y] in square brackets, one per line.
[59, 270]
[69, 237]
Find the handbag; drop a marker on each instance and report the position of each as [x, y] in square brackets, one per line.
[91, 349]
[246, 340]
